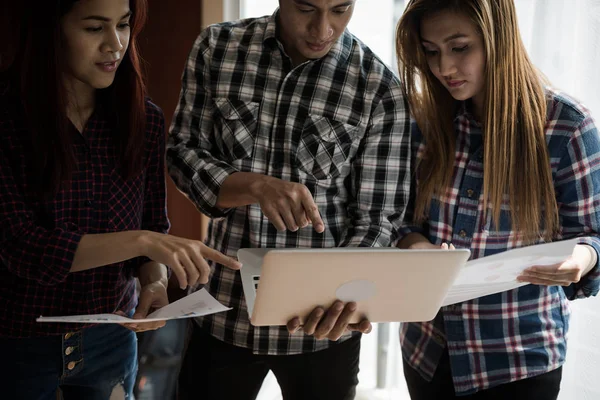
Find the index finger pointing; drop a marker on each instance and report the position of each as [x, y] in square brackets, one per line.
[312, 213]
[221, 258]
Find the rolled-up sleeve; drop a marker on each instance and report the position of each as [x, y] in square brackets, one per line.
[578, 195]
[191, 161]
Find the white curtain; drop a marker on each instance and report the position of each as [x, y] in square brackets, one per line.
[563, 40]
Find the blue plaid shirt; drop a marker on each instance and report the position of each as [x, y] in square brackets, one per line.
[522, 332]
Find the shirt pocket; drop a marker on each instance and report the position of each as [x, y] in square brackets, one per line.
[236, 123]
[325, 146]
[503, 232]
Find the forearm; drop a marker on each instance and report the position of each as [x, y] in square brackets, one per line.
[589, 256]
[96, 250]
[412, 240]
[240, 189]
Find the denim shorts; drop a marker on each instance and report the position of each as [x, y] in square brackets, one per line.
[86, 364]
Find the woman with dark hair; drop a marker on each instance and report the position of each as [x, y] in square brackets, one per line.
[82, 200]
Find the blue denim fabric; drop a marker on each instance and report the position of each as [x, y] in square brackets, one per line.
[160, 357]
[86, 364]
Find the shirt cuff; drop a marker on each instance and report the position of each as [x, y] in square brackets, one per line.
[58, 255]
[206, 189]
[589, 285]
[408, 229]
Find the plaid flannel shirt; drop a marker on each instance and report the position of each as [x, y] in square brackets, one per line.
[518, 333]
[39, 238]
[339, 125]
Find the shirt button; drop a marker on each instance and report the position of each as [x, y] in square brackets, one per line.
[69, 350]
[462, 233]
[71, 365]
[68, 336]
[470, 193]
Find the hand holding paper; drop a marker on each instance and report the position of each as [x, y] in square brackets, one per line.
[498, 273]
[153, 296]
[563, 273]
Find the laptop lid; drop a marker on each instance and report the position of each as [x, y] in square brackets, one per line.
[388, 284]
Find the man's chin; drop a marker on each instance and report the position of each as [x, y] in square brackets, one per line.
[313, 55]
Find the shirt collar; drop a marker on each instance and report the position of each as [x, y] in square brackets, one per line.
[463, 114]
[270, 35]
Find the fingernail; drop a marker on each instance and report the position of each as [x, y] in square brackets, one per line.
[339, 307]
[352, 306]
[320, 313]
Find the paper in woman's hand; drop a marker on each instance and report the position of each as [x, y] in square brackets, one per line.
[194, 305]
[498, 273]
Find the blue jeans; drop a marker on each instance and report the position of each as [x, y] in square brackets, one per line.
[160, 355]
[86, 364]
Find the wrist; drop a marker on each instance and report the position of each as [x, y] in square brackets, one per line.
[588, 256]
[256, 186]
[143, 241]
[153, 272]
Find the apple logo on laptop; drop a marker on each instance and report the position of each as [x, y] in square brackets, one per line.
[357, 290]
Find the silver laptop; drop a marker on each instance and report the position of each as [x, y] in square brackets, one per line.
[388, 284]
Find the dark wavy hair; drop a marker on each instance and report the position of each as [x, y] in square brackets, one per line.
[33, 64]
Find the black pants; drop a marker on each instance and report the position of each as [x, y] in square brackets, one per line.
[214, 370]
[541, 387]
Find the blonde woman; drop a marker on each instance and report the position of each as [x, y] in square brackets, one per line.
[501, 161]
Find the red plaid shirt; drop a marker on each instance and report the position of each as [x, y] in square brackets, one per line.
[38, 238]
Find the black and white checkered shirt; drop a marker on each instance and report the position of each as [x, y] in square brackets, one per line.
[339, 125]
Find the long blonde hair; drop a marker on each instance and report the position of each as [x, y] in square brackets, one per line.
[516, 157]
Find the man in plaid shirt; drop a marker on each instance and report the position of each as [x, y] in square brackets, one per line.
[289, 132]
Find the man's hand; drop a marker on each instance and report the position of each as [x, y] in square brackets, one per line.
[288, 205]
[330, 324]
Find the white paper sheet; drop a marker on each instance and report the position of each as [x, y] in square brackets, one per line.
[194, 305]
[498, 273]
